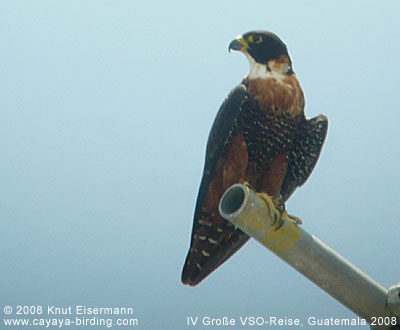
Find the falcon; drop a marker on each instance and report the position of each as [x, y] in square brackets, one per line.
[260, 137]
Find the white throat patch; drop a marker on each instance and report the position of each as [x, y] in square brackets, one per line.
[260, 71]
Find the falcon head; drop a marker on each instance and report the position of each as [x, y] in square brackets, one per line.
[266, 53]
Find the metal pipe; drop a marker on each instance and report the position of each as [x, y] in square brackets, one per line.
[307, 254]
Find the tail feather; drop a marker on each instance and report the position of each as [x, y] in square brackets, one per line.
[201, 261]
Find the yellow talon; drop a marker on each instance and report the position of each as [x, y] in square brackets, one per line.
[273, 212]
[277, 211]
[295, 219]
[269, 200]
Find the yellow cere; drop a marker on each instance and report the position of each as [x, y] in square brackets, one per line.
[243, 41]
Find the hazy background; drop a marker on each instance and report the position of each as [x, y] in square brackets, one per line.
[105, 112]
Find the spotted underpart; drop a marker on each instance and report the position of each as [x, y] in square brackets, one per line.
[268, 136]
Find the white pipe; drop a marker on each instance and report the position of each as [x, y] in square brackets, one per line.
[307, 254]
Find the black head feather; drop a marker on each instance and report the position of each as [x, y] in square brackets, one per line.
[262, 46]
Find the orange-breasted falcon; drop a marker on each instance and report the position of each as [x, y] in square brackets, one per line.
[260, 136]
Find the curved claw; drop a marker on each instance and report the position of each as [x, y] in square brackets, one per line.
[273, 212]
[277, 211]
[295, 219]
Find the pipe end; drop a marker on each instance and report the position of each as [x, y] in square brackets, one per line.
[232, 200]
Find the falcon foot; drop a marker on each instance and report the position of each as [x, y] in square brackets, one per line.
[277, 211]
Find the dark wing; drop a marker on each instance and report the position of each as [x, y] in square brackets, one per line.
[308, 142]
[221, 130]
[214, 239]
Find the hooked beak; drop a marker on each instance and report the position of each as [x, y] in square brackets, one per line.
[238, 44]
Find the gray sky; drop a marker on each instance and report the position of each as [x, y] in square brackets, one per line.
[106, 108]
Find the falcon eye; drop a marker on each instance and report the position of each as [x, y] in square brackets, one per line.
[256, 39]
